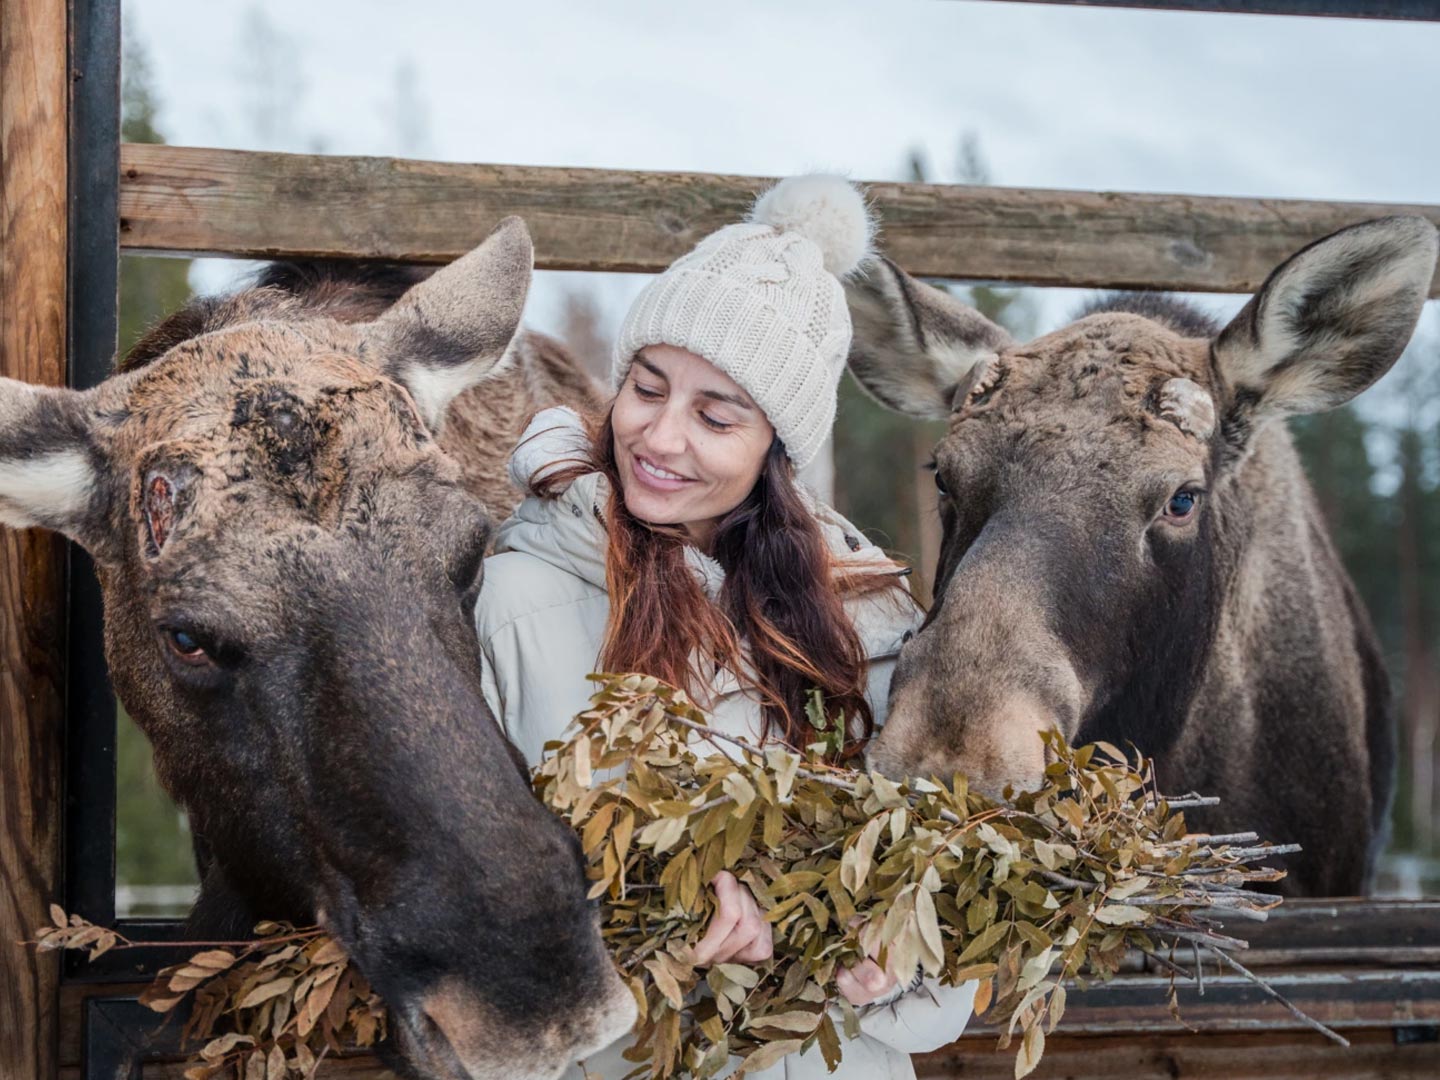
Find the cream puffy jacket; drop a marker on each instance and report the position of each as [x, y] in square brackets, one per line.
[541, 620]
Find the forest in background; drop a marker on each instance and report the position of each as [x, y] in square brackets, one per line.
[1376, 471]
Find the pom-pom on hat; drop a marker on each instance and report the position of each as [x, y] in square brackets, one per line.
[762, 301]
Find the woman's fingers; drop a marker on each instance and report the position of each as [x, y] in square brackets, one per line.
[737, 931]
[850, 986]
[728, 913]
[875, 978]
[865, 982]
[752, 940]
[761, 944]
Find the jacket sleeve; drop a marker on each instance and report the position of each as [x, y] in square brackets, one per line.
[921, 1020]
[490, 682]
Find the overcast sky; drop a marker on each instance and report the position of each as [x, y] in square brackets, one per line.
[1059, 97]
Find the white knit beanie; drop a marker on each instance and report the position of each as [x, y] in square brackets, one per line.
[762, 301]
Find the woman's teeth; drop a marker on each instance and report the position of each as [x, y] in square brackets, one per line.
[656, 471]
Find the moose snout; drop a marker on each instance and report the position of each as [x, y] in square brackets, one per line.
[456, 1033]
[992, 750]
[981, 720]
[461, 1030]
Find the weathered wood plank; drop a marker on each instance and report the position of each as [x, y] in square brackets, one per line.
[33, 229]
[1191, 1057]
[194, 201]
[1341, 997]
[1338, 932]
[1183, 1057]
[1350, 937]
[1350, 999]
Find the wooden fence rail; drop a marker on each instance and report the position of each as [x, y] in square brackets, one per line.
[1370, 968]
[191, 201]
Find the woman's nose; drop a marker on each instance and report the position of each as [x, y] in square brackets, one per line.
[667, 433]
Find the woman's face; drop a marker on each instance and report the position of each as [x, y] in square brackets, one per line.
[689, 442]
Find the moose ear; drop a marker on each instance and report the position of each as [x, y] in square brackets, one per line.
[913, 344]
[1327, 323]
[454, 328]
[48, 465]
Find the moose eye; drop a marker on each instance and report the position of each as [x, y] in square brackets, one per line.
[939, 480]
[1182, 505]
[185, 647]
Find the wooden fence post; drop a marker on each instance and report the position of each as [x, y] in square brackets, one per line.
[33, 239]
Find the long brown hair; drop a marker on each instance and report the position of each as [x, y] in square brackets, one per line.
[779, 623]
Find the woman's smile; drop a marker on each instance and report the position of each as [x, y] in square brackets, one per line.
[658, 478]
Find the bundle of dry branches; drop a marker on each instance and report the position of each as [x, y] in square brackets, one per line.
[1021, 896]
[267, 1009]
[1017, 896]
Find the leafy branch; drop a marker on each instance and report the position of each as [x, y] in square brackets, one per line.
[1017, 896]
[270, 1008]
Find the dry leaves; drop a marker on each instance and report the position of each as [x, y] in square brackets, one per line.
[1015, 896]
[267, 1009]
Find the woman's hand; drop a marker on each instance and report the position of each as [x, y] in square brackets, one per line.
[867, 981]
[737, 930]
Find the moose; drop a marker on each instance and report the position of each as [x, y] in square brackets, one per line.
[1131, 550]
[289, 543]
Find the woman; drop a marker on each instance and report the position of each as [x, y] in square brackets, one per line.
[674, 541]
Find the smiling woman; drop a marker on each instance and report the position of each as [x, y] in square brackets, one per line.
[672, 538]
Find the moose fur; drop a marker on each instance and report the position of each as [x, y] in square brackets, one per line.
[1132, 552]
[290, 561]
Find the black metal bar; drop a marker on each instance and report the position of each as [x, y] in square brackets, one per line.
[89, 823]
[1419, 10]
[118, 1034]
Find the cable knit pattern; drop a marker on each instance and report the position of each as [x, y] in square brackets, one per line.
[762, 302]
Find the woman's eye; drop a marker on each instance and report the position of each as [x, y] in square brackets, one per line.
[646, 393]
[1182, 504]
[718, 425]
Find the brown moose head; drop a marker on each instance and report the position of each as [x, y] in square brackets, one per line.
[1129, 541]
[289, 564]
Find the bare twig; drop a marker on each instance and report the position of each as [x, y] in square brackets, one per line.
[1217, 905]
[1203, 935]
[1208, 839]
[1295, 1011]
[1169, 965]
[1067, 882]
[1246, 854]
[1188, 800]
